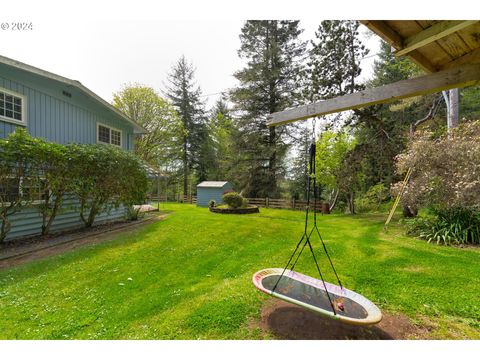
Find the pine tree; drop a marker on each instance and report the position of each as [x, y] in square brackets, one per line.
[185, 97]
[268, 83]
[334, 64]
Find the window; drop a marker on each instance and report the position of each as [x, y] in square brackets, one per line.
[14, 189]
[12, 106]
[108, 135]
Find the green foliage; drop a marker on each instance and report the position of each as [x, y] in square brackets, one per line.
[332, 149]
[34, 171]
[212, 203]
[373, 199]
[19, 175]
[233, 199]
[160, 147]
[469, 103]
[115, 177]
[452, 226]
[269, 82]
[335, 60]
[185, 96]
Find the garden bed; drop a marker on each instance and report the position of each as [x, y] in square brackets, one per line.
[251, 209]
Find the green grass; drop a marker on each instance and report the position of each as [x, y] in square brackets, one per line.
[191, 278]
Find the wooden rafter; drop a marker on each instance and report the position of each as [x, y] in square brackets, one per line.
[432, 33]
[447, 79]
[382, 29]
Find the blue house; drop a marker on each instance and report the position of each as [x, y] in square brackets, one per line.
[211, 190]
[62, 111]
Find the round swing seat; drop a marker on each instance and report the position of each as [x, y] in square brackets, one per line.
[310, 293]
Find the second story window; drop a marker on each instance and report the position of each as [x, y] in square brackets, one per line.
[108, 135]
[11, 106]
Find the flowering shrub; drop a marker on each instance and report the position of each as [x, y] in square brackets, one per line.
[445, 170]
[445, 178]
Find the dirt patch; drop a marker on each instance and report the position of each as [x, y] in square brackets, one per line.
[289, 322]
[34, 249]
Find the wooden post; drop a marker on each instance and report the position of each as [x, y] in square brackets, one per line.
[293, 203]
[266, 202]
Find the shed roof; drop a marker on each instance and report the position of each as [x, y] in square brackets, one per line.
[212, 184]
[72, 83]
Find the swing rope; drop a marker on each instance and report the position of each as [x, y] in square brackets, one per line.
[305, 239]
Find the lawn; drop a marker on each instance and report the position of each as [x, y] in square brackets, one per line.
[189, 277]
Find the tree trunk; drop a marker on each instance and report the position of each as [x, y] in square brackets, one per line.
[409, 211]
[47, 224]
[91, 216]
[351, 203]
[453, 109]
[5, 228]
[334, 201]
[185, 166]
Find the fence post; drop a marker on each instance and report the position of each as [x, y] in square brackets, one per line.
[267, 202]
[293, 203]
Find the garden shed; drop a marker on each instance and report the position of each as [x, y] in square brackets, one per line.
[212, 190]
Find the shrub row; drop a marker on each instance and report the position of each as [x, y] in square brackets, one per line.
[101, 177]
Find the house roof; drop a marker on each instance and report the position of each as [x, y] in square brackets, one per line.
[74, 83]
[212, 184]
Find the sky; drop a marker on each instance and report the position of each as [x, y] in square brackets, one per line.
[104, 55]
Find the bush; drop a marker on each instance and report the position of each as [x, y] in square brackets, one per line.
[32, 169]
[212, 203]
[233, 199]
[372, 199]
[445, 170]
[448, 227]
[115, 177]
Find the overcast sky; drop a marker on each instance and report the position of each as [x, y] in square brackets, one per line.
[105, 54]
[105, 44]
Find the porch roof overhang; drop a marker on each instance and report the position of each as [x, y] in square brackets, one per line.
[448, 51]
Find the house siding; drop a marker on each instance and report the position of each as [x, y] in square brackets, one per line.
[28, 222]
[57, 118]
[60, 120]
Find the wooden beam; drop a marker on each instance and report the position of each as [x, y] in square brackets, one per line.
[469, 58]
[447, 79]
[433, 33]
[382, 29]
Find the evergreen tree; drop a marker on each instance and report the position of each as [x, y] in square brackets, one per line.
[334, 64]
[185, 97]
[268, 83]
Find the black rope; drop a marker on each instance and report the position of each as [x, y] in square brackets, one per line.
[306, 237]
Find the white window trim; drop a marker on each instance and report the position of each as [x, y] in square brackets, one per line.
[23, 203]
[24, 108]
[111, 128]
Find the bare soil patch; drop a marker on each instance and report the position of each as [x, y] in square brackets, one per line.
[289, 322]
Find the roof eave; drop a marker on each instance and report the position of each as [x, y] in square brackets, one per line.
[137, 129]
